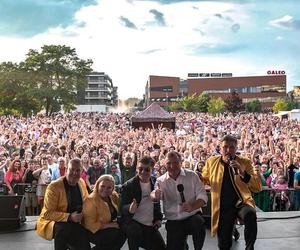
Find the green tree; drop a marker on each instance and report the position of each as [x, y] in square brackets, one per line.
[57, 73]
[174, 106]
[280, 105]
[234, 103]
[195, 103]
[14, 91]
[254, 106]
[188, 103]
[215, 106]
[202, 102]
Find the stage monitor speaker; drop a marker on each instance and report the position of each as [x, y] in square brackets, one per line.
[11, 212]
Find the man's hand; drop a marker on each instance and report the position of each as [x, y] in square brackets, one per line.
[110, 225]
[75, 217]
[157, 224]
[133, 206]
[156, 194]
[236, 165]
[187, 207]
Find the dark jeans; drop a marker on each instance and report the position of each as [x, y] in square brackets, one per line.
[178, 230]
[227, 220]
[140, 235]
[69, 235]
[108, 239]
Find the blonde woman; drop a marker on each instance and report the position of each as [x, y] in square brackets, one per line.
[100, 212]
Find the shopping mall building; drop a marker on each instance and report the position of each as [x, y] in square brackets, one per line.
[165, 89]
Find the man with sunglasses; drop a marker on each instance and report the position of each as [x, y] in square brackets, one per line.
[141, 218]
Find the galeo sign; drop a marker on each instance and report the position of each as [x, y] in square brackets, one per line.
[276, 72]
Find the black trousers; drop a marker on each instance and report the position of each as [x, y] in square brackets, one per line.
[147, 237]
[70, 235]
[178, 230]
[227, 220]
[108, 239]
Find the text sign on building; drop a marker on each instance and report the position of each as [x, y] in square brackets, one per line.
[193, 74]
[215, 74]
[226, 74]
[204, 74]
[276, 72]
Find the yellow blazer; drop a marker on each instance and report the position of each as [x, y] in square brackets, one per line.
[212, 174]
[55, 207]
[96, 211]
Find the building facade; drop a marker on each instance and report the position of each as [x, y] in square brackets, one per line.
[264, 88]
[99, 95]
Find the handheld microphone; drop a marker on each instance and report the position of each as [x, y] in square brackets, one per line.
[180, 189]
[79, 209]
[231, 158]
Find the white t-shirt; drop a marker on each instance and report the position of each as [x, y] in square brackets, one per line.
[144, 212]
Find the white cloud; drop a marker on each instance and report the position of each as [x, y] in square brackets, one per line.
[285, 22]
[122, 52]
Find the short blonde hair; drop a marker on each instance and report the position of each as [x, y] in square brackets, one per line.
[105, 177]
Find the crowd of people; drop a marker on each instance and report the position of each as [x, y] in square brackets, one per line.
[35, 151]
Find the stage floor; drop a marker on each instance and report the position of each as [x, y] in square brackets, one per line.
[276, 231]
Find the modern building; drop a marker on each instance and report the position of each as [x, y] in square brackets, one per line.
[266, 89]
[99, 95]
[162, 89]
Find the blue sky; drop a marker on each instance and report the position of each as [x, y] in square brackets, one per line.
[131, 39]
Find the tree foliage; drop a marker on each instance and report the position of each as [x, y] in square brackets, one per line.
[198, 103]
[234, 103]
[253, 106]
[45, 80]
[280, 105]
[216, 105]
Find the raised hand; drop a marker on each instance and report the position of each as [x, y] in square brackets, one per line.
[133, 206]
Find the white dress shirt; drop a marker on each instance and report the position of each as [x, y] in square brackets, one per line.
[193, 190]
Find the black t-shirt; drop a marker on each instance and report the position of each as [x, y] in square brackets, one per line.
[291, 173]
[74, 197]
[229, 197]
[29, 177]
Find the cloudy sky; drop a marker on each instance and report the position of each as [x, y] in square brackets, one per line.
[132, 39]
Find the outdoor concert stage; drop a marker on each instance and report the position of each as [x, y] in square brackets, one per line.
[276, 231]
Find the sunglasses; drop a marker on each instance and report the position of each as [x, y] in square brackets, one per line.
[144, 169]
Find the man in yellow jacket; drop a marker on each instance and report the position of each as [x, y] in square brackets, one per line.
[232, 179]
[62, 212]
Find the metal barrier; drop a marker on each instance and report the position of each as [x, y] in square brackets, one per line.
[269, 199]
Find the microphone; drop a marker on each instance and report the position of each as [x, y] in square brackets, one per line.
[231, 158]
[79, 209]
[180, 189]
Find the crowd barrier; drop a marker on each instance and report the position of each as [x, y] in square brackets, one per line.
[270, 200]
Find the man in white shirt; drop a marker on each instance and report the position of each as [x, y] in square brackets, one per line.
[183, 195]
[141, 218]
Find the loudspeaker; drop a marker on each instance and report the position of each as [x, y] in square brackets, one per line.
[11, 212]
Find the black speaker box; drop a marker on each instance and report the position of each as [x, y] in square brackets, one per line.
[11, 212]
